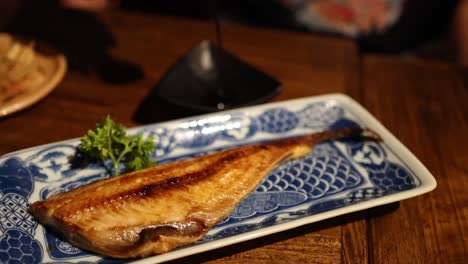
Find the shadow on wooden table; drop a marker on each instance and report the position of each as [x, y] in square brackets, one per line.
[289, 234]
[81, 36]
[154, 109]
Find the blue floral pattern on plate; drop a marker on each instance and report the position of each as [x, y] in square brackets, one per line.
[333, 175]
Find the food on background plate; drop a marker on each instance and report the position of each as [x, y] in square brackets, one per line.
[160, 208]
[19, 71]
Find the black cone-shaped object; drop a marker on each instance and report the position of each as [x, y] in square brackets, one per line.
[206, 79]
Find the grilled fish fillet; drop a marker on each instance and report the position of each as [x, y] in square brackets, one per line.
[155, 210]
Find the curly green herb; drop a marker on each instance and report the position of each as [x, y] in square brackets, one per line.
[110, 141]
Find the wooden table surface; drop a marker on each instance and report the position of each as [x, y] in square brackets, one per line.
[422, 103]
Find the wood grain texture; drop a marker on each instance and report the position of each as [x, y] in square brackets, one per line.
[306, 65]
[425, 104]
[354, 233]
[354, 238]
[316, 243]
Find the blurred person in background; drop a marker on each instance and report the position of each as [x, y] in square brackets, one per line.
[383, 26]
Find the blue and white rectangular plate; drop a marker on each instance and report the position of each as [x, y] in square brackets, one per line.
[334, 179]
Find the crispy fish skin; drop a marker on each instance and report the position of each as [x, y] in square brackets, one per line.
[155, 210]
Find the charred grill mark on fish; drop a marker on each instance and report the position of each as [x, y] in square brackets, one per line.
[157, 209]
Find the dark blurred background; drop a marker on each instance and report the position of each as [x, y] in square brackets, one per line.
[421, 21]
[422, 27]
[427, 28]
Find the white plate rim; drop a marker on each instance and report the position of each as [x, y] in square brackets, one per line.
[428, 182]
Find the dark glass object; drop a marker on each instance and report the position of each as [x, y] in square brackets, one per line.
[206, 79]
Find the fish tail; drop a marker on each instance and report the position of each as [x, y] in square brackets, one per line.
[342, 133]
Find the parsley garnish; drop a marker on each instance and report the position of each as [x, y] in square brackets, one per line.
[110, 141]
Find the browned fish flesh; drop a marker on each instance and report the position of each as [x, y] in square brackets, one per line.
[155, 210]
